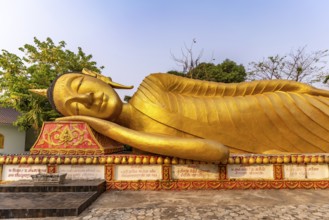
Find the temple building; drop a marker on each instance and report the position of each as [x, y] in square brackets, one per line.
[12, 141]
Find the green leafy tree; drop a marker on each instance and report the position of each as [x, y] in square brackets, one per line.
[40, 64]
[298, 65]
[227, 71]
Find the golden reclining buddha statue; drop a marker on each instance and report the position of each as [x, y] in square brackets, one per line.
[199, 120]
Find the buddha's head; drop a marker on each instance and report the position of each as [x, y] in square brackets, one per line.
[89, 95]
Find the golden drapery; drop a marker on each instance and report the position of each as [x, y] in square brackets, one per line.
[255, 117]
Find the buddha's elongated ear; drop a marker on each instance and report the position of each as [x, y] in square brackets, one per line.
[42, 92]
[105, 79]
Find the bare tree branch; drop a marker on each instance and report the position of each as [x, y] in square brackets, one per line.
[298, 65]
[187, 60]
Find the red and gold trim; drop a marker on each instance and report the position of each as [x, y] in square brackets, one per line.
[215, 185]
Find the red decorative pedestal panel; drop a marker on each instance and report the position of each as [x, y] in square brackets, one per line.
[72, 138]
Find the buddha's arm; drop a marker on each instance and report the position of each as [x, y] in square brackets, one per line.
[187, 148]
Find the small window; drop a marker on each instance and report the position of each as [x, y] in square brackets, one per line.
[2, 140]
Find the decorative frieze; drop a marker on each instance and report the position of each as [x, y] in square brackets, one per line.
[294, 171]
[86, 172]
[240, 171]
[137, 172]
[195, 172]
[317, 171]
[21, 172]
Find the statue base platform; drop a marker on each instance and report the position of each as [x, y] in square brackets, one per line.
[153, 172]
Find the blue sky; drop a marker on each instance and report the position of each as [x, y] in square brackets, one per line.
[133, 38]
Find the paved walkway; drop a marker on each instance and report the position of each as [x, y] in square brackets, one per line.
[222, 204]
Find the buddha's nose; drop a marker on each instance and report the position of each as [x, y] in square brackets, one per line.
[85, 99]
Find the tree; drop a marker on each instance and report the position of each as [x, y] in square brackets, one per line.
[298, 65]
[228, 72]
[188, 60]
[37, 68]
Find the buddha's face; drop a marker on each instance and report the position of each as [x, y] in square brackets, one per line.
[78, 94]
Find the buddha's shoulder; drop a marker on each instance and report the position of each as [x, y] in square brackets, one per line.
[162, 76]
[163, 79]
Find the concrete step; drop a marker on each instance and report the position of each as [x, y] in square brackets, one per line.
[25, 200]
[67, 186]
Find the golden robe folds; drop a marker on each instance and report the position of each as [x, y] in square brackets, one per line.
[252, 117]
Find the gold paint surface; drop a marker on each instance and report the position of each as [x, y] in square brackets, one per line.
[200, 120]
